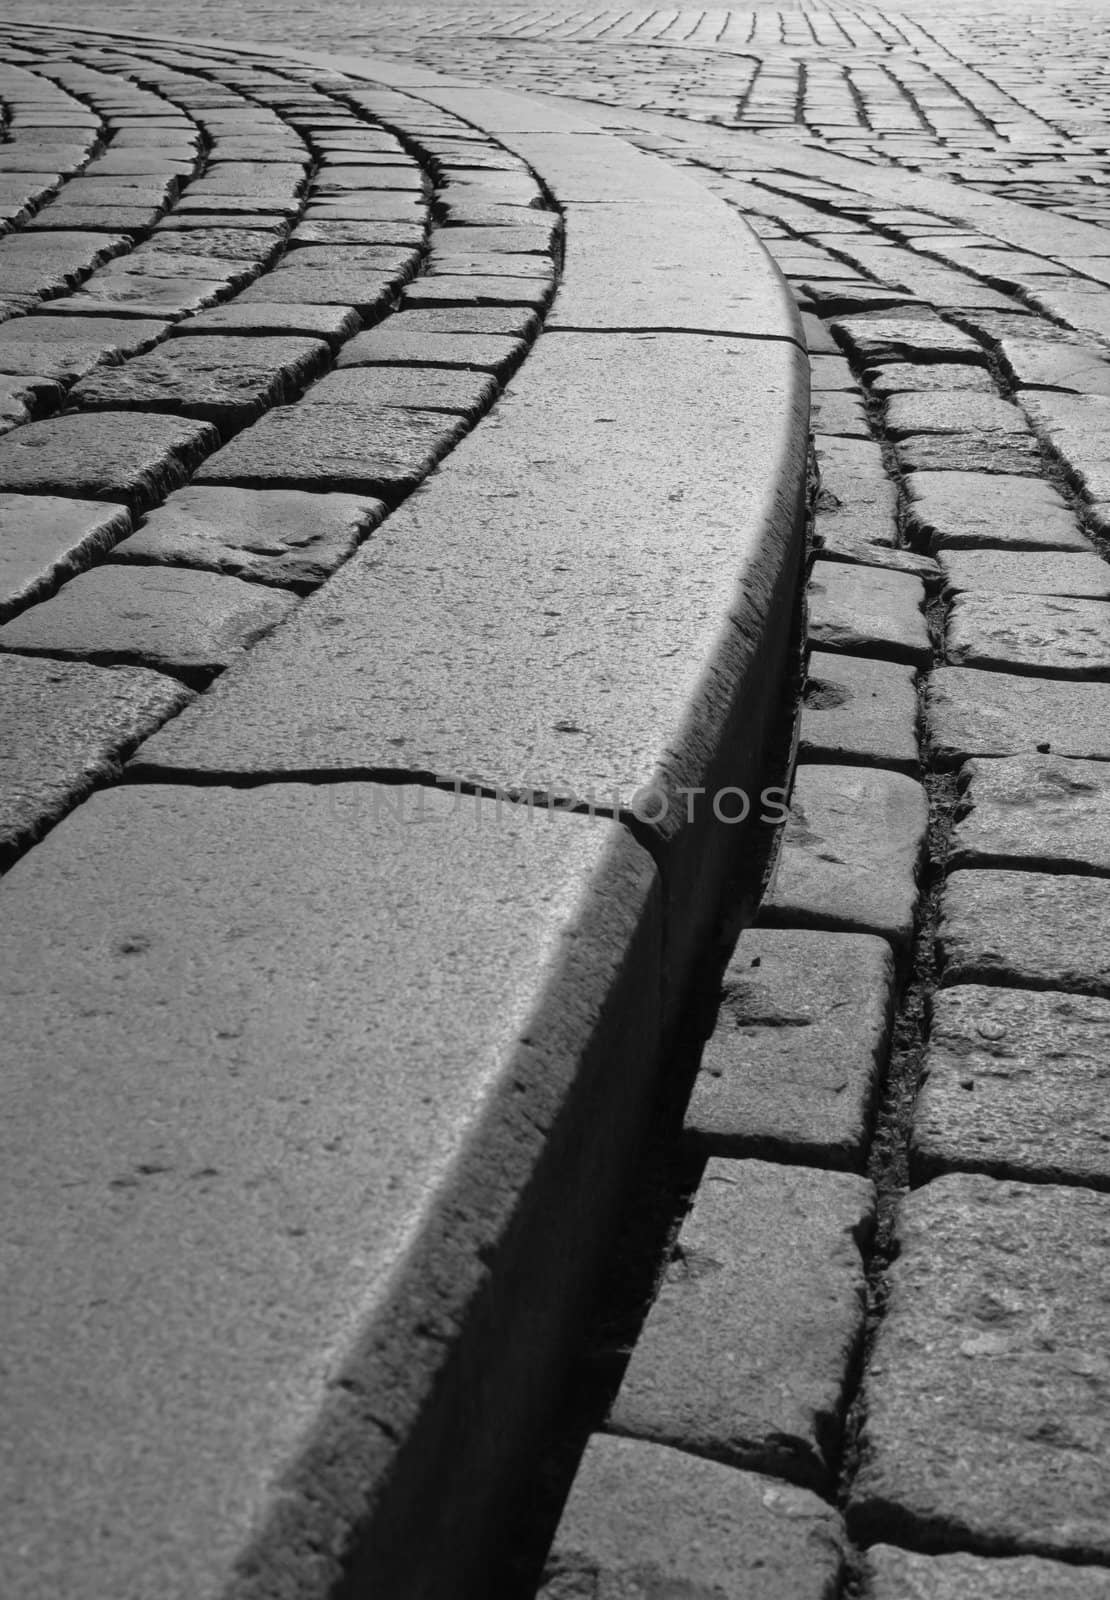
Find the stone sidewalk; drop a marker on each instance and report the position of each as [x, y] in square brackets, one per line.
[295, 1321]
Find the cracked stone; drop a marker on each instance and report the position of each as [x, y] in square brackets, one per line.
[1015, 1085]
[745, 1353]
[1002, 714]
[868, 611]
[1043, 812]
[987, 1422]
[860, 712]
[1030, 930]
[45, 539]
[1053, 636]
[131, 456]
[853, 843]
[790, 1070]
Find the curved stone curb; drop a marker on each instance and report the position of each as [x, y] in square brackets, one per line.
[326, 1084]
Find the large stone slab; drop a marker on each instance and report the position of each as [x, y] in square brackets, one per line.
[1084, 577]
[1015, 1085]
[857, 711]
[866, 611]
[280, 536]
[854, 841]
[790, 1069]
[67, 727]
[307, 1143]
[518, 623]
[1052, 636]
[1005, 714]
[1030, 930]
[135, 457]
[189, 623]
[45, 539]
[745, 1354]
[967, 510]
[1043, 812]
[644, 1519]
[986, 1418]
[903, 1575]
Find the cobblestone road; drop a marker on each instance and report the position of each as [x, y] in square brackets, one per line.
[877, 1361]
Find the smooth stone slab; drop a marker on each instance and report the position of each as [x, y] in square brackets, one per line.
[192, 624]
[967, 511]
[1053, 636]
[986, 1418]
[1030, 930]
[644, 1519]
[745, 1353]
[278, 536]
[1076, 427]
[966, 452]
[67, 728]
[288, 1128]
[1029, 572]
[1015, 1085]
[867, 611]
[904, 377]
[67, 347]
[1043, 812]
[906, 333]
[45, 539]
[454, 389]
[853, 844]
[135, 457]
[859, 712]
[903, 1575]
[790, 1069]
[280, 319]
[953, 411]
[222, 379]
[356, 449]
[1002, 714]
[391, 344]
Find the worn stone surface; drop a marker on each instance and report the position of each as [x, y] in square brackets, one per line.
[1045, 364]
[103, 455]
[953, 411]
[357, 449]
[1053, 636]
[476, 289]
[1016, 1085]
[67, 347]
[45, 539]
[391, 344]
[907, 333]
[453, 389]
[189, 623]
[745, 1353]
[224, 379]
[280, 319]
[840, 415]
[67, 726]
[237, 1195]
[858, 711]
[857, 506]
[968, 510]
[645, 1519]
[903, 1575]
[986, 1420]
[903, 377]
[1004, 714]
[1075, 426]
[279, 536]
[853, 843]
[368, 292]
[867, 611]
[1045, 812]
[1031, 930]
[984, 453]
[1028, 572]
[790, 1069]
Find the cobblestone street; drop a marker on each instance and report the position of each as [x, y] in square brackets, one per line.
[555, 801]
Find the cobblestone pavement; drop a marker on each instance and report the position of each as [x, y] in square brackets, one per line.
[876, 1358]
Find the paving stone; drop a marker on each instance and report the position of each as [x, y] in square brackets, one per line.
[841, 415]
[68, 726]
[745, 1353]
[819, 339]
[380, 206]
[857, 711]
[903, 1575]
[953, 411]
[202, 221]
[135, 457]
[45, 539]
[330, 323]
[127, 292]
[369, 293]
[904, 377]
[1044, 812]
[453, 389]
[1015, 1085]
[866, 611]
[790, 1070]
[986, 1423]
[519, 321]
[400, 260]
[357, 449]
[1052, 636]
[445, 262]
[67, 217]
[1002, 572]
[357, 233]
[66, 347]
[644, 1519]
[392, 344]
[857, 506]
[223, 379]
[970, 453]
[1075, 426]
[1029, 930]
[966, 511]
[473, 289]
[192, 624]
[907, 334]
[1002, 714]
[1041, 364]
[831, 372]
[851, 850]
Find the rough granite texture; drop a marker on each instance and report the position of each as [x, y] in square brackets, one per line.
[1051, 636]
[1041, 812]
[865, 611]
[967, 511]
[902, 1575]
[1031, 930]
[45, 539]
[1003, 714]
[135, 457]
[859, 712]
